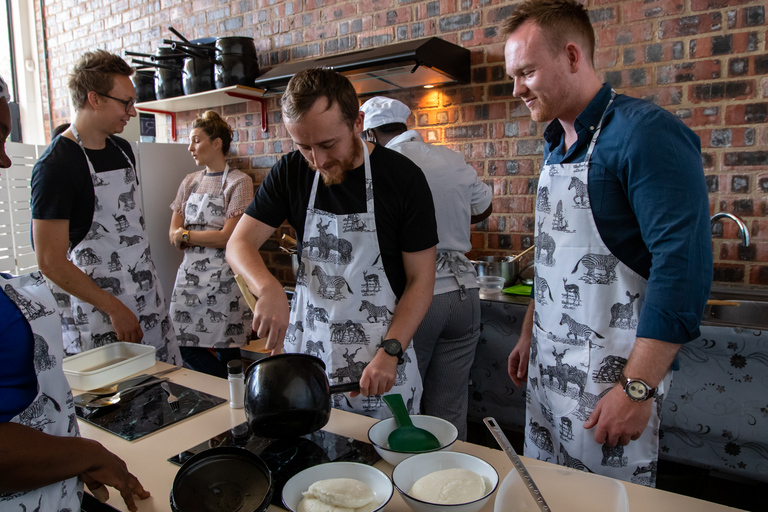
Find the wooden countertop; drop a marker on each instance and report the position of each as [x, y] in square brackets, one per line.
[146, 457]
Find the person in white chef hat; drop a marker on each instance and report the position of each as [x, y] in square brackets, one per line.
[445, 341]
[43, 460]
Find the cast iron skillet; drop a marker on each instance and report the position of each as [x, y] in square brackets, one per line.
[223, 479]
[288, 395]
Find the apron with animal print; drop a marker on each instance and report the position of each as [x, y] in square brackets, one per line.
[587, 306]
[205, 307]
[53, 409]
[343, 303]
[115, 254]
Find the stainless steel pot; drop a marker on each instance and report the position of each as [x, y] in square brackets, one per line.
[504, 266]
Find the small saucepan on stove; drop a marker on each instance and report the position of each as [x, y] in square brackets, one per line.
[224, 479]
[508, 267]
[289, 395]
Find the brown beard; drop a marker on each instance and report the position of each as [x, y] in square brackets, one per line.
[346, 165]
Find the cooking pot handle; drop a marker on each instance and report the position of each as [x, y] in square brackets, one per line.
[481, 263]
[137, 54]
[153, 65]
[345, 388]
[178, 34]
[527, 282]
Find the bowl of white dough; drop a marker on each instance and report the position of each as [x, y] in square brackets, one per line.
[443, 430]
[433, 482]
[338, 486]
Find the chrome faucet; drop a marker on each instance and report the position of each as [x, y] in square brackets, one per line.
[743, 231]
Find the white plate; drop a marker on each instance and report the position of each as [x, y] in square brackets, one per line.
[107, 364]
[563, 489]
[379, 483]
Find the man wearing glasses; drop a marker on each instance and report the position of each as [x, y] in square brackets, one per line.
[87, 220]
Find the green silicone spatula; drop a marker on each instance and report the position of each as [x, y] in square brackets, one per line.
[407, 437]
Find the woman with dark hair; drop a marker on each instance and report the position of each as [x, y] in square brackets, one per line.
[208, 313]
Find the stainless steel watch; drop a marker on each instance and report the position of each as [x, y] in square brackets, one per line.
[636, 389]
[393, 348]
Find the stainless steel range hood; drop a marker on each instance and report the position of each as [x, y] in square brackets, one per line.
[431, 61]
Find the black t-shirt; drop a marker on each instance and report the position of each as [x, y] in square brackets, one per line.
[61, 182]
[405, 214]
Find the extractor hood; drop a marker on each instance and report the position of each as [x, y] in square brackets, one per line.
[431, 61]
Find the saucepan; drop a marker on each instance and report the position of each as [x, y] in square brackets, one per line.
[289, 395]
[222, 479]
[508, 267]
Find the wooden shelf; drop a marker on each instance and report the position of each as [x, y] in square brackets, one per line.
[214, 98]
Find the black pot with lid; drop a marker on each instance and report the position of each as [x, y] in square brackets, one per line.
[222, 479]
[144, 84]
[288, 395]
[236, 62]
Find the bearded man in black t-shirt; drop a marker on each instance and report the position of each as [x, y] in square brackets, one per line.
[366, 228]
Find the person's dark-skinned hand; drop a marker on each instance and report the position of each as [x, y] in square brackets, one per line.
[107, 469]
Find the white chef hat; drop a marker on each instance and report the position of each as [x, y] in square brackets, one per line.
[380, 110]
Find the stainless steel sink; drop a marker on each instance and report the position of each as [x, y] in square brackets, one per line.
[732, 307]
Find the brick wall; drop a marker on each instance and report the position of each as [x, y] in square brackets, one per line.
[704, 60]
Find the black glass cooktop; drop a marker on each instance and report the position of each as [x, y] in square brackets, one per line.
[146, 410]
[286, 457]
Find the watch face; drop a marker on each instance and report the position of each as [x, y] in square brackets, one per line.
[392, 347]
[637, 390]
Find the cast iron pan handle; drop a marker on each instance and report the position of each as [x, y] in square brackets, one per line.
[178, 34]
[344, 388]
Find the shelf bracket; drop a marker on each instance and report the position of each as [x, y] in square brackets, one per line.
[262, 101]
[172, 114]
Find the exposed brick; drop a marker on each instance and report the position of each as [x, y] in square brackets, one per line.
[661, 52]
[743, 89]
[703, 5]
[745, 158]
[739, 42]
[746, 114]
[758, 275]
[632, 34]
[606, 58]
[689, 72]
[740, 183]
[662, 96]
[728, 273]
[712, 184]
[635, 11]
[690, 25]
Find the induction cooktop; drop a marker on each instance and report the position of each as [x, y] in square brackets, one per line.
[286, 457]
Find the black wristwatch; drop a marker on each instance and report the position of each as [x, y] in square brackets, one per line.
[393, 348]
[636, 389]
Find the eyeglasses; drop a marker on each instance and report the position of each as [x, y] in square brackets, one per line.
[128, 103]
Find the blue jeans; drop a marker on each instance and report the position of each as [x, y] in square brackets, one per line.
[202, 360]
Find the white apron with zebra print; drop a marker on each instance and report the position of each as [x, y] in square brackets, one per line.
[586, 312]
[206, 309]
[53, 409]
[115, 254]
[343, 303]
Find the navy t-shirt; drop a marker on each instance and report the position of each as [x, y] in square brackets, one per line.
[405, 214]
[18, 382]
[61, 182]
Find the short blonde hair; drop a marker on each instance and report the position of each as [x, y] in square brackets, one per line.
[95, 71]
[560, 20]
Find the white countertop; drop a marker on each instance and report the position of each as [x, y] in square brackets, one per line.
[147, 457]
